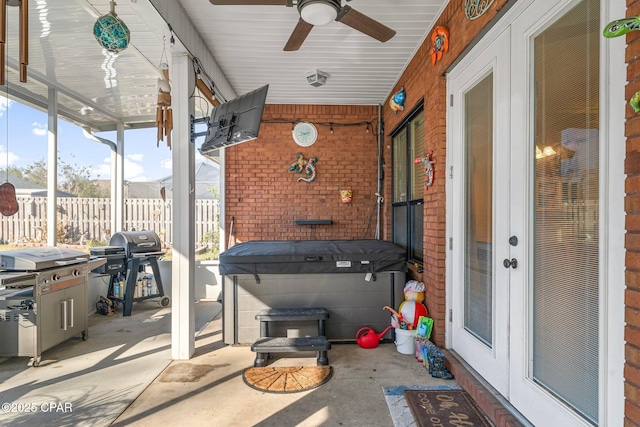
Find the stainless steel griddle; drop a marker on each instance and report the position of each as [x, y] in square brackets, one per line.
[43, 299]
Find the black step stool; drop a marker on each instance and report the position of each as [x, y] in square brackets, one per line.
[266, 344]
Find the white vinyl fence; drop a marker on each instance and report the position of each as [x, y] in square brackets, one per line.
[81, 220]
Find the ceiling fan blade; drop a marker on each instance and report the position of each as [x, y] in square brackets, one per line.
[299, 34]
[250, 2]
[364, 24]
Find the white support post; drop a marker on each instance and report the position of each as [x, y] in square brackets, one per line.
[117, 219]
[52, 167]
[183, 247]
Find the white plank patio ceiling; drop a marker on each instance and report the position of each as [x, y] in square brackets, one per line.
[245, 41]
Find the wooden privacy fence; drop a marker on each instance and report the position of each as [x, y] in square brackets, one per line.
[81, 220]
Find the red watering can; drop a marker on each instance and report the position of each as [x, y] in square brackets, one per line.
[367, 337]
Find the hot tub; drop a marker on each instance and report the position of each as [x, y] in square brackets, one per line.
[353, 279]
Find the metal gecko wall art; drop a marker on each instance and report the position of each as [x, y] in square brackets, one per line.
[428, 162]
[304, 166]
[618, 28]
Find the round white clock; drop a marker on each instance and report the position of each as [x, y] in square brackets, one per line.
[305, 134]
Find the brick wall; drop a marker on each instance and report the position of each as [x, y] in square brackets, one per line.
[632, 239]
[424, 82]
[265, 198]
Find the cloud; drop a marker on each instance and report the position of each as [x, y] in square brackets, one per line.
[39, 129]
[12, 158]
[5, 104]
[132, 171]
[136, 157]
[166, 164]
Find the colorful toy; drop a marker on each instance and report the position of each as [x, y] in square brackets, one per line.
[621, 27]
[411, 312]
[425, 325]
[397, 321]
[397, 101]
[414, 291]
[440, 41]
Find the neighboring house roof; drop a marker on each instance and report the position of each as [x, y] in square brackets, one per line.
[207, 176]
[27, 188]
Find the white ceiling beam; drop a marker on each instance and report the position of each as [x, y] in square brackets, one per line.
[173, 13]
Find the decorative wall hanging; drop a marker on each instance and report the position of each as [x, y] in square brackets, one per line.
[635, 102]
[440, 43]
[397, 101]
[621, 27]
[428, 162]
[164, 113]
[345, 195]
[474, 9]
[8, 201]
[111, 32]
[23, 36]
[307, 166]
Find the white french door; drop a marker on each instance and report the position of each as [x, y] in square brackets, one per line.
[523, 210]
[480, 196]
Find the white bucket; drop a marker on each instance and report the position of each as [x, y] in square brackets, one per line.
[404, 341]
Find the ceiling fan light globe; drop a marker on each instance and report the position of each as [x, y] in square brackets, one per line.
[318, 13]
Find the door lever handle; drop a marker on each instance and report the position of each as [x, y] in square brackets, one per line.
[513, 263]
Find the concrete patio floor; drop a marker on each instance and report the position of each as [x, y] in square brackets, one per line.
[123, 375]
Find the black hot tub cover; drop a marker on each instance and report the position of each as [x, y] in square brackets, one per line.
[312, 256]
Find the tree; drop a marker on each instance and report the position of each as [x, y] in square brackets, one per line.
[13, 171]
[36, 172]
[74, 179]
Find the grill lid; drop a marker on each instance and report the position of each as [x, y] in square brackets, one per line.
[40, 258]
[137, 242]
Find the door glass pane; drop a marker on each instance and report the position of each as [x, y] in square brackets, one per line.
[565, 266]
[478, 146]
[417, 150]
[400, 225]
[400, 167]
[417, 226]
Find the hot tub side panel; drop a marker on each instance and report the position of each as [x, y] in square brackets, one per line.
[352, 302]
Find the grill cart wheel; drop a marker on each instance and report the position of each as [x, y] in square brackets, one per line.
[165, 301]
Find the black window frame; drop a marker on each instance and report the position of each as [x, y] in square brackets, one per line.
[410, 211]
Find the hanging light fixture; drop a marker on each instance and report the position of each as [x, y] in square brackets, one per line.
[110, 31]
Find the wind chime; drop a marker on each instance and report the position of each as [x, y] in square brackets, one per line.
[8, 202]
[164, 114]
[23, 34]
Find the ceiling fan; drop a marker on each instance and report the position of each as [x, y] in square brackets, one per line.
[319, 12]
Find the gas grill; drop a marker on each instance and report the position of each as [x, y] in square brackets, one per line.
[115, 256]
[141, 248]
[43, 299]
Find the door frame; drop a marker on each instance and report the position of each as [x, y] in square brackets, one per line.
[612, 212]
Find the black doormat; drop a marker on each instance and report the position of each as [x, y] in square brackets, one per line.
[431, 408]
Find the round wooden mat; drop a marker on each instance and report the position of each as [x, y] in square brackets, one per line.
[286, 379]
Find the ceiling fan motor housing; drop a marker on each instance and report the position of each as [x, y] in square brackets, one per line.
[318, 12]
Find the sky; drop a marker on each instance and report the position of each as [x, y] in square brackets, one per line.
[23, 140]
